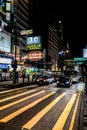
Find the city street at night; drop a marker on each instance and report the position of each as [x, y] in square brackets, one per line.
[42, 107]
[43, 65]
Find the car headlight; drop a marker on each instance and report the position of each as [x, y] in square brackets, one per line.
[44, 80]
[58, 82]
[67, 82]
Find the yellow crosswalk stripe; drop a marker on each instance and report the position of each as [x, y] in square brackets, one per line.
[62, 119]
[10, 93]
[21, 100]
[18, 95]
[81, 88]
[37, 117]
[13, 90]
[16, 113]
[16, 89]
[74, 113]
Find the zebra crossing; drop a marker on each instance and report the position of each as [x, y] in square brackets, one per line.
[38, 109]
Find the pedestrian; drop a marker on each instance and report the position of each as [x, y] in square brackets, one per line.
[28, 77]
[16, 77]
[23, 76]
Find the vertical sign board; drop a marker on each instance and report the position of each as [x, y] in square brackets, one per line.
[85, 52]
[8, 10]
[17, 51]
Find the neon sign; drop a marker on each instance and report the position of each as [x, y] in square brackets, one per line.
[35, 55]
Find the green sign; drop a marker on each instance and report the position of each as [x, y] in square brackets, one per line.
[33, 47]
[80, 59]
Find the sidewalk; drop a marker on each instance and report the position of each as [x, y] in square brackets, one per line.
[84, 111]
[9, 84]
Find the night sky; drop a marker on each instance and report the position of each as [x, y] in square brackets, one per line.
[74, 22]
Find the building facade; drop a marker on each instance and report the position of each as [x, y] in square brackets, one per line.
[14, 17]
[55, 41]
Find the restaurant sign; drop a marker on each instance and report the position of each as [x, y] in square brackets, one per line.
[35, 55]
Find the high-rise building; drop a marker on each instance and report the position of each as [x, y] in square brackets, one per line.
[55, 40]
[16, 19]
[22, 12]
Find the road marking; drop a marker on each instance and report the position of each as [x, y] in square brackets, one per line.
[74, 113]
[6, 91]
[16, 113]
[10, 93]
[62, 119]
[37, 117]
[21, 100]
[18, 95]
[13, 90]
[81, 88]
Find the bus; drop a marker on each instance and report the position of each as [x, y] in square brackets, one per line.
[71, 69]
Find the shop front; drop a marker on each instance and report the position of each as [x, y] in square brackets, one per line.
[5, 64]
[5, 55]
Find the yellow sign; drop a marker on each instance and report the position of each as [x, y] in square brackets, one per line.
[8, 6]
[26, 32]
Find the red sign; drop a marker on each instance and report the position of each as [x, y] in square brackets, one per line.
[35, 55]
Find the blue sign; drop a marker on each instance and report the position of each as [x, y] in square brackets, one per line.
[3, 66]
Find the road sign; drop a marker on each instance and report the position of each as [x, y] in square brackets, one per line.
[26, 32]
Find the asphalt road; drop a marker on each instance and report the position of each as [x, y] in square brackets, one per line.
[42, 107]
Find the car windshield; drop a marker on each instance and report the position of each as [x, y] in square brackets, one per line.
[46, 76]
[64, 78]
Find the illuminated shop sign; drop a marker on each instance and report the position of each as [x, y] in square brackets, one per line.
[33, 47]
[33, 43]
[5, 60]
[8, 10]
[33, 40]
[30, 70]
[35, 55]
[5, 42]
[26, 32]
[3, 66]
[84, 52]
[8, 6]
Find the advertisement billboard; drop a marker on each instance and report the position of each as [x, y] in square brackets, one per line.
[35, 55]
[85, 52]
[33, 43]
[5, 60]
[5, 42]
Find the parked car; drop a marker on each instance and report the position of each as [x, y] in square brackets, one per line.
[47, 79]
[64, 81]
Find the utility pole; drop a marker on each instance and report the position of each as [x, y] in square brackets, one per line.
[14, 37]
